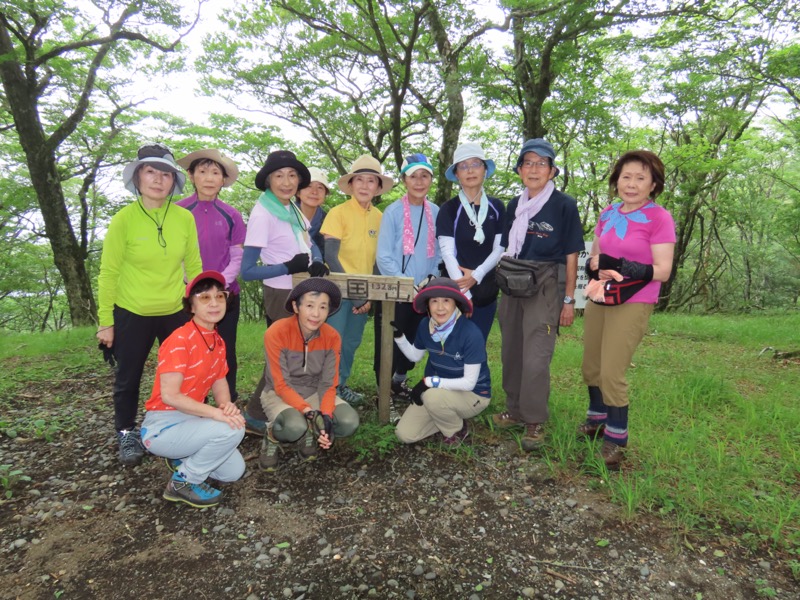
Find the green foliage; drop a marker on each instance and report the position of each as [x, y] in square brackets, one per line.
[372, 441]
[9, 478]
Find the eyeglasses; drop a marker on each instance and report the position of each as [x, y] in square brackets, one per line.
[469, 166]
[206, 297]
[535, 164]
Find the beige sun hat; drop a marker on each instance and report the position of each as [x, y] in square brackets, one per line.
[367, 165]
[318, 175]
[218, 157]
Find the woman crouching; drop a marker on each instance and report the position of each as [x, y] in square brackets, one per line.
[457, 384]
[198, 440]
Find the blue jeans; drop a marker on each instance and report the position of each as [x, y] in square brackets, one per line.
[351, 330]
[206, 447]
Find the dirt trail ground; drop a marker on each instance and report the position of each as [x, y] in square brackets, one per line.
[421, 522]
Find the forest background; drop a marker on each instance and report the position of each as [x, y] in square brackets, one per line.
[713, 87]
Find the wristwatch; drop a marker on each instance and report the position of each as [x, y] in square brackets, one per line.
[569, 300]
[435, 381]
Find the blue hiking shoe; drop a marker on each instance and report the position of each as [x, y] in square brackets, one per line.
[199, 495]
[131, 450]
[252, 425]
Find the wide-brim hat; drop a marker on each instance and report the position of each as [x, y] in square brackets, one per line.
[318, 175]
[231, 170]
[441, 287]
[159, 157]
[215, 275]
[281, 159]
[541, 147]
[466, 151]
[367, 165]
[316, 284]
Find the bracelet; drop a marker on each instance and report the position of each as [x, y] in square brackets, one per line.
[99, 329]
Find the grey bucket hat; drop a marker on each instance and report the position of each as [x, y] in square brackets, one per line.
[159, 157]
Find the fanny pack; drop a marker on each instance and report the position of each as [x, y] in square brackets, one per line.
[521, 278]
[619, 292]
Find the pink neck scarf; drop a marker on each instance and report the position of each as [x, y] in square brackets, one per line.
[408, 229]
[527, 208]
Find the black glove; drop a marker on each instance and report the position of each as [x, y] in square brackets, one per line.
[635, 270]
[320, 423]
[318, 269]
[328, 422]
[108, 354]
[607, 262]
[417, 391]
[397, 333]
[590, 272]
[298, 264]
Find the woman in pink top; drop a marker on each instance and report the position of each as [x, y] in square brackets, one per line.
[631, 255]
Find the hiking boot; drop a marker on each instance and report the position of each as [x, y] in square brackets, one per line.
[611, 454]
[534, 436]
[591, 429]
[401, 392]
[269, 457]
[252, 425]
[131, 450]
[458, 438]
[199, 495]
[173, 464]
[504, 420]
[349, 395]
[307, 446]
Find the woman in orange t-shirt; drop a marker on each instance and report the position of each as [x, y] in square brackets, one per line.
[198, 440]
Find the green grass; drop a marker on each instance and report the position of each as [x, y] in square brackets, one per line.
[714, 427]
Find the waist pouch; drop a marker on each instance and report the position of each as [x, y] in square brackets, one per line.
[522, 278]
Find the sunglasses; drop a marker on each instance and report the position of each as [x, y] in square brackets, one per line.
[206, 297]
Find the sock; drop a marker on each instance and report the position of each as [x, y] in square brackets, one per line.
[399, 377]
[617, 425]
[597, 410]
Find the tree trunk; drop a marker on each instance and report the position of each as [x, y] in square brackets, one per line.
[68, 256]
[453, 90]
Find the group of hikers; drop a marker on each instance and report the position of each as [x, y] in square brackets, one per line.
[462, 256]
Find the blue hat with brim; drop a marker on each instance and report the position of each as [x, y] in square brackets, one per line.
[466, 151]
[541, 147]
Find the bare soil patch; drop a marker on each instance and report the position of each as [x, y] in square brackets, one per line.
[422, 522]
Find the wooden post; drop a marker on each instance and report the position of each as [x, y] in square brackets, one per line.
[389, 291]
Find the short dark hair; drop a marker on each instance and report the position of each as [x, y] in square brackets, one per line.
[313, 294]
[651, 162]
[206, 162]
[201, 286]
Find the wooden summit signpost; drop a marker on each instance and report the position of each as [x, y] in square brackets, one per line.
[388, 290]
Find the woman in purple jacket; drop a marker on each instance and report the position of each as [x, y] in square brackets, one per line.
[221, 231]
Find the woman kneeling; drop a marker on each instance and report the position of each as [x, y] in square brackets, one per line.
[457, 383]
[198, 440]
[299, 396]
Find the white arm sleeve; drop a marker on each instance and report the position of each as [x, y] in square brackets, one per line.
[462, 384]
[447, 245]
[412, 353]
[491, 261]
